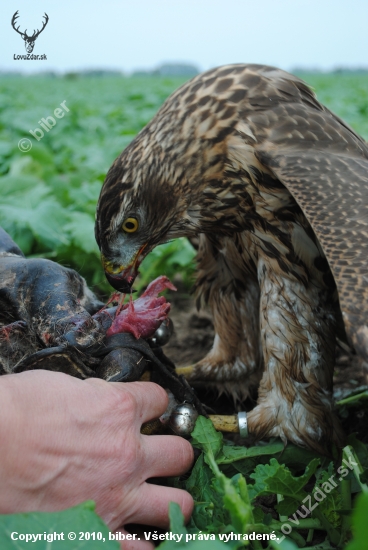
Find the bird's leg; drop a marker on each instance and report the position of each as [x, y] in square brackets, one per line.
[234, 362]
[298, 340]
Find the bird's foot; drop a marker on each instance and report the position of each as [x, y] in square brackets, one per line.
[232, 378]
[315, 428]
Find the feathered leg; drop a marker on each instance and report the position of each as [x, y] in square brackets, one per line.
[234, 362]
[298, 341]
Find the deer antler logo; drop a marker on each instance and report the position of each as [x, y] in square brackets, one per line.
[29, 41]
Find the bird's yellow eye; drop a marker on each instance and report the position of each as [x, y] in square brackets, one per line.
[130, 225]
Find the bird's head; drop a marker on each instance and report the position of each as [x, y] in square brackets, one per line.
[138, 209]
[175, 179]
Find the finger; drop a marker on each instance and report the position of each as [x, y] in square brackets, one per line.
[150, 399]
[133, 544]
[153, 505]
[166, 455]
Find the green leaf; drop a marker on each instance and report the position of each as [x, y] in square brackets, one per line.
[233, 453]
[176, 519]
[77, 520]
[37, 213]
[275, 478]
[331, 503]
[298, 458]
[284, 545]
[208, 512]
[84, 197]
[234, 492]
[360, 448]
[182, 254]
[205, 437]
[170, 258]
[360, 524]
[177, 527]
[295, 458]
[14, 186]
[196, 545]
[237, 502]
[355, 399]
[81, 230]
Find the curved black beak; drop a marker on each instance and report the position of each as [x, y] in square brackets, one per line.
[120, 284]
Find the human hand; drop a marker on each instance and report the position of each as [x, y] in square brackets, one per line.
[66, 440]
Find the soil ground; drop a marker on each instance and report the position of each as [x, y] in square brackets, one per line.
[193, 337]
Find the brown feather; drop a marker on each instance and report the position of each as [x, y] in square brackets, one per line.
[275, 186]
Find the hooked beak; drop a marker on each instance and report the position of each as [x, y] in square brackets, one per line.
[120, 277]
[123, 281]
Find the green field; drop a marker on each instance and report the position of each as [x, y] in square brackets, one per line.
[48, 195]
[48, 199]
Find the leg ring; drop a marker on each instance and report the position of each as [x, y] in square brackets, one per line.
[243, 424]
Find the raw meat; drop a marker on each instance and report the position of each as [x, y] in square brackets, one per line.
[143, 316]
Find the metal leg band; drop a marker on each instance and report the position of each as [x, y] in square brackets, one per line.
[243, 424]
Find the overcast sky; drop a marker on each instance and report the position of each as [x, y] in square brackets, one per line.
[133, 34]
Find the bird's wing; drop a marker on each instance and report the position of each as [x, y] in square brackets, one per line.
[329, 180]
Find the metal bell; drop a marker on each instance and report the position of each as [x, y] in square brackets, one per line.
[163, 333]
[183, 419]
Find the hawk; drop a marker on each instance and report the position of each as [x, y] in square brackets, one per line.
[275, 187]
